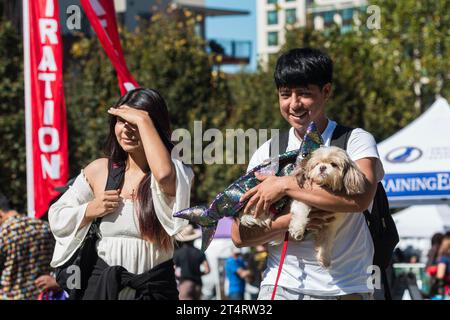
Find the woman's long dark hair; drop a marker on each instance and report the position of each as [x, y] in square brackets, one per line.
[151, 101]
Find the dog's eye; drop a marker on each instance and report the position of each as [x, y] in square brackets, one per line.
[334, 165]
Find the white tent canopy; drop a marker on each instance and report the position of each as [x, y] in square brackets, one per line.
[416, 159]
[422, 221]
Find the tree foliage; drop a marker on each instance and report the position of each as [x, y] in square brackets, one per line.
[12, 116]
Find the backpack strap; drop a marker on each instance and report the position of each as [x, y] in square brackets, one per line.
[116, 173]
[340, 137]
[283, 140]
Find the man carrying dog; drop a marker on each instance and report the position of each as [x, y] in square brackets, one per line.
[304, 79]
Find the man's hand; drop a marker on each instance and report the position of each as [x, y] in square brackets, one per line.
[269, 191]
[47, 283]
[248, 237]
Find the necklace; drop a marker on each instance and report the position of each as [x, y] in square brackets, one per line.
[131, 183]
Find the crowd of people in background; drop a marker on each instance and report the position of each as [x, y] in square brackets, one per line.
[436, 271]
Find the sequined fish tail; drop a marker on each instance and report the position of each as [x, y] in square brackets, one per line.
[201, 215]
[207, 236]
[198, 215]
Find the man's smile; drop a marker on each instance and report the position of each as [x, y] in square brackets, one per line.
[299, 115]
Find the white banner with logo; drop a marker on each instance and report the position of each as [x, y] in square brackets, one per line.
[416, 159]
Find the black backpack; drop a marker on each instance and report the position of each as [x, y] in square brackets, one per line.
[379, 220]
[86, 256]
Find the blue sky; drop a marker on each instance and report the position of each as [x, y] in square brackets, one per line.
[234, 27]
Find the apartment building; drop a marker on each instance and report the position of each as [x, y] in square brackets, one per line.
[274, 17]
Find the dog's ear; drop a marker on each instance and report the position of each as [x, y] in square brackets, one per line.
[355, 182]
[300, 175]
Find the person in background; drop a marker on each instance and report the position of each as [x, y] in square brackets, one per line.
[47, 283]
[398, 256]
[432, 255]
[188, 261]
[50, 289]
[257, 262]
[412, 254]
[443, 267]
[26, 247]
[236, 272]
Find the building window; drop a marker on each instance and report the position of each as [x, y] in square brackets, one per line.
[347, 14]
[272, 1]
[328, 16]
[272, 38]
[272, 17]
[291, 16]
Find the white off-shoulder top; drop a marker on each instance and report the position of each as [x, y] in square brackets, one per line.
[121, 243]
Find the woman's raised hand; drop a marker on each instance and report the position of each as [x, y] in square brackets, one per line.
[131, 115]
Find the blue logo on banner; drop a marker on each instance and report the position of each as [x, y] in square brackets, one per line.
[404, 154]
[417, 184]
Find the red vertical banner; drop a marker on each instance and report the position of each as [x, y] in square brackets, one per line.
[46, 127]
[102, 16]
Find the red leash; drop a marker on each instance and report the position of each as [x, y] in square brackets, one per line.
[283, 255]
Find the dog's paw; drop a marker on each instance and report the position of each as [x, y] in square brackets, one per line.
[297, 228]
[296, 233]
[247, 220]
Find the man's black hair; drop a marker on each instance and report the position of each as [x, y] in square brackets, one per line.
[4, 203]
[302, 67]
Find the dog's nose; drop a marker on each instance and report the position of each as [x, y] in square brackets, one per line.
[323, 168]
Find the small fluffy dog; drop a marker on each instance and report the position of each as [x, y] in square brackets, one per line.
[331, 168]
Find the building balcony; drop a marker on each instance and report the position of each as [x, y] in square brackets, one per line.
[199, 7]
[230, 51]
